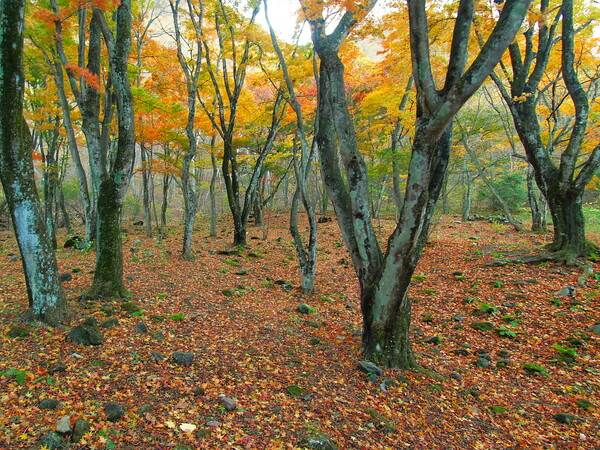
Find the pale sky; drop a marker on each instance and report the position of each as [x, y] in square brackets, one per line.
[282, 14]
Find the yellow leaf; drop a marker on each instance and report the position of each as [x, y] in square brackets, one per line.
[170, 424]
[24, 436]
[187, 427]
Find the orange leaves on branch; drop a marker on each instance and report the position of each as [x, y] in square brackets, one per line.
[90, 78]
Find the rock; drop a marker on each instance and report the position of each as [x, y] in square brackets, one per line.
[368, 367]
[138, 223]
[52, 441]
[49, 404]
[73, 242]
[482, 326]
[159, 335]
[456, 376]
[18, 331]
[63, 426]
[433, 340]
[567, 291]
[145, 409]
[229, 403]
[63, 277]
[324, 219]
[80, 428]
[109, 323]
[183, 358]
[503, 363]
[595, 329]
[213, 423]
[458, 318]
[503, 353]
[87, 333]
[567, 418]
[317, 440]
[305, 309]
[156, 356]
[141, 328]
[461, 352]
[13, 258]
[295, 390]
[482, 362]
[58, 367]
[114, 411]
[585, 404]
[241, 272]
[130, 307]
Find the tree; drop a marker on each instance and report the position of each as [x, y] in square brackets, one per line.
[385, 277]
[116, 174]
[47, 302]
[562, 166]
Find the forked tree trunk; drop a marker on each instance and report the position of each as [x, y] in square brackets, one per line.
[569, 224]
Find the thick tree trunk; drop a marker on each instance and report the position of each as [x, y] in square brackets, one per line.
[108, 275]
[146, 180]
[47, 302]
[569, 225]
[211, 191]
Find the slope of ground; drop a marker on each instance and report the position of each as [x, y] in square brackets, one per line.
[294, 373]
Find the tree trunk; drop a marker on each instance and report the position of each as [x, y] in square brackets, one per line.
[537, 204]
[212, 194]
[47, 302]
[569, 225]
[146, 180]
[108, 275]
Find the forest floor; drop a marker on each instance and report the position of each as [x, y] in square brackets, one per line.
[294, 373]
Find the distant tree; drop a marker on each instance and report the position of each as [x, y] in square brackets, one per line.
[47, 302]
[539, 99]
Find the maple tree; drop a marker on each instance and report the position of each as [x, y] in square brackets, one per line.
[563, 165]
[47, 302]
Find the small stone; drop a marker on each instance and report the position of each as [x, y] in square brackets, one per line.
[368, 367]
[595, 329]
[461, 352]
[158, 335]
[305, 309]
[141, 328]
[241, 272]
[295, 390]
[80, 428]
[109, 323]
[183, 358]
[456, 376]
[503, 353]
[64, 277]
[63, 426]
[87, 333]
[458, 318]
[58, 367]
[49, 403]
[567, 418]
[18, 331]
[317, 440]
[585, 404]
[213, 423]
[567, 291]
[503, 363]
[433, 340]
[114, 411]
[229, 403]
[52, 441]
[13, 258]
[156, 356]
[482, 326]
[482, 362]
[145, 409]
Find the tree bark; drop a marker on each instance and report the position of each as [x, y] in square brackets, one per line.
[47, 302]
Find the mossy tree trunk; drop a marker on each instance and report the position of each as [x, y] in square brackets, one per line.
[47, 302]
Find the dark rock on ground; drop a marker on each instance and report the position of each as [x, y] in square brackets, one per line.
[317, 440]
[87, 333]
[368, 367]
[109, 323]
[229, 403]
[567, 418]
[63, 277]
[18, 331]
[183, 358]
[80, 428]
[141, 328]
[114, 411]
[49, 403]
[52, 441]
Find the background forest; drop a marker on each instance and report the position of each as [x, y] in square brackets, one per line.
[392, 186]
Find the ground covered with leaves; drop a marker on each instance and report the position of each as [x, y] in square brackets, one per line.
[508, 360]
